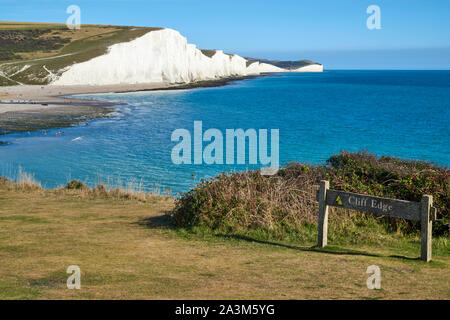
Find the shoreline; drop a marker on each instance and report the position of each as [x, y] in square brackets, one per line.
[33, 107]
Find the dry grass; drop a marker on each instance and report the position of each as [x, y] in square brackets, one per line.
[74, 35]
[14, 25]
[126, 251]
[26, 181]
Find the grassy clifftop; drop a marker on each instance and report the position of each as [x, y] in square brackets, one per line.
[126, 248]
[33, 53]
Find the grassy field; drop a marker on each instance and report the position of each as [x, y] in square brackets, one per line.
[33, 53]
[127, 249]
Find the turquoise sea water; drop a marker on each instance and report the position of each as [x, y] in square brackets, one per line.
[398, 113]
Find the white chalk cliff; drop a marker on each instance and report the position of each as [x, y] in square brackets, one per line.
[258, 68]
[309, 68]
[162, 56]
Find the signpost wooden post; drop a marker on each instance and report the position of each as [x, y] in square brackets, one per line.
[323, 213]
[426, 224]
[419, 211]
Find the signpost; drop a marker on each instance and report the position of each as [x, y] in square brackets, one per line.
[419, 211]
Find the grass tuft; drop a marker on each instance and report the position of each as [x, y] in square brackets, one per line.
[27, 180]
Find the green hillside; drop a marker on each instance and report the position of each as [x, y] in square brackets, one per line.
[33, 53]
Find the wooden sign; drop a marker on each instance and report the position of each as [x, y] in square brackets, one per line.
[419, 211]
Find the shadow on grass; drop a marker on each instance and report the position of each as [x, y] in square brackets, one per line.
[329, 249]
[157, 222]
[164, 222]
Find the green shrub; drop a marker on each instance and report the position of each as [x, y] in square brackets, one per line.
[75, 184]
[282, 205]
[394, 178]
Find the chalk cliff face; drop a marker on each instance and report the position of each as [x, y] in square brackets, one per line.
[257, 68]
[158, 56]
[310, 68]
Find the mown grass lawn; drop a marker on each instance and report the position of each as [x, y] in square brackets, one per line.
[126, 250]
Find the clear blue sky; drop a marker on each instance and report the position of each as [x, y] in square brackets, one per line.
[414, 34]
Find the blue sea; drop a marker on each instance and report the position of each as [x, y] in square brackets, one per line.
[397, 113]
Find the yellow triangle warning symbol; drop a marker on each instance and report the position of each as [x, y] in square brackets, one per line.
[339, 201]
